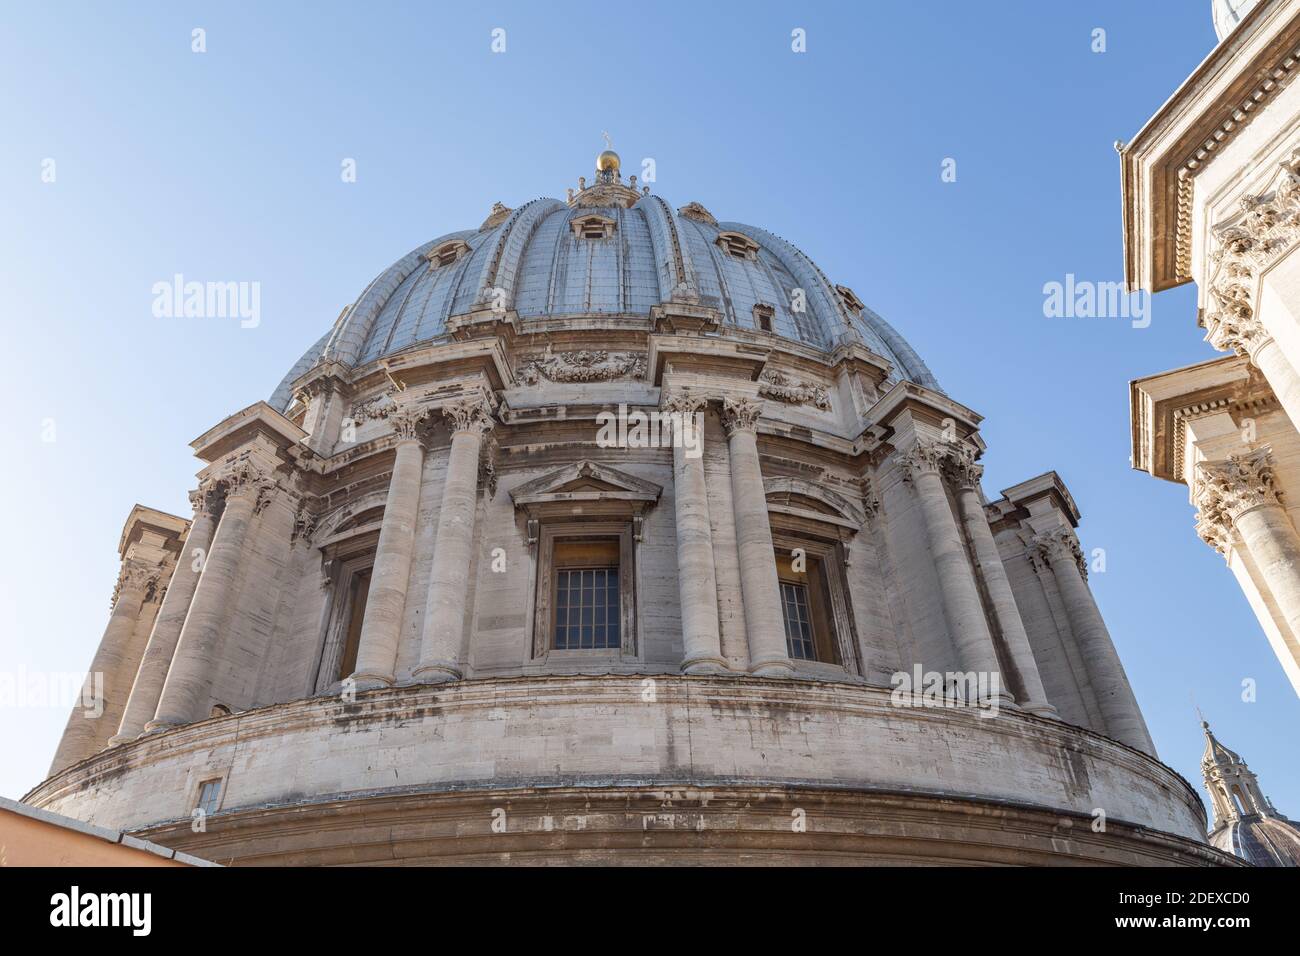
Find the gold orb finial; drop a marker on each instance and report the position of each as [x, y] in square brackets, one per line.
[607, 161]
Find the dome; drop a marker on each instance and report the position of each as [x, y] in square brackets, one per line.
[1228, 13]
[1261, 841]
[539, 260]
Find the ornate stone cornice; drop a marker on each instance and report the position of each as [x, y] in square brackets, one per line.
[1225, 490]
[740, 414]
[777, 385]
[583, 365]
[1060, 546]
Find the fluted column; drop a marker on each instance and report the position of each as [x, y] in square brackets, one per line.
[390, 579]
[158, 653]
[1240, 494]
[966, 474]
[961, 601]
[1110, 685]
[189, 680]
[696, 577]
[760, 589]
[453, 551]
[84, 735]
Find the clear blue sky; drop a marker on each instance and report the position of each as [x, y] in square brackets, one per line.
[226, 166]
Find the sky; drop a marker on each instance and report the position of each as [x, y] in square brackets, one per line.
[228, 165]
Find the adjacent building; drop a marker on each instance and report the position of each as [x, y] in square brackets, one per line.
[1211, 195]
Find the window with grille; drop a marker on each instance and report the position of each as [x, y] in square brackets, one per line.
[586, 608]
[798, 622]
[209, 796]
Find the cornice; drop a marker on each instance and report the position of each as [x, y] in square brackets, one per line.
[1223, 94]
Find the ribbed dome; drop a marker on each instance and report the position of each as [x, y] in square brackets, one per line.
[1262, 841]
[538, 259]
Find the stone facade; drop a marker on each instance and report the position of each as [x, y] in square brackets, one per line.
[1212, 195]
[604, 533]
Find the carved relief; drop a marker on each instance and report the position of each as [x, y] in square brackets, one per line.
[777, 385]
[582, 366]
[870, 499]
[373, 409]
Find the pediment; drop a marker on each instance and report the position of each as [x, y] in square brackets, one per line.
[586, 481]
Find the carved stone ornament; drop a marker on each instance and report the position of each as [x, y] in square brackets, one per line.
[1268, 225]
[206, 499]
[870, 499]
[373, 409]
[304, 522]
[582, 366]
[1060, 546]
[740, 414]
[1225, 490]
[777, 385]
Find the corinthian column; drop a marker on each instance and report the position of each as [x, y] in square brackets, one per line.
[453, 555]
[1119, 708]
[158, 653]
[386, 601]
[86, 732]
[966, 474]
[189, 680]
[961, 600]
[760, 590]
[696, 579]
[1239, 493]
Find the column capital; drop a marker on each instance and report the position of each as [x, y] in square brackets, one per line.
[683, 403]
[1225, 490]
[1060, 546]
[206, 498]
[408, 422]
[135, 575]
[740, 414]
[924, 457]
[471, 414]
[961, 468]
